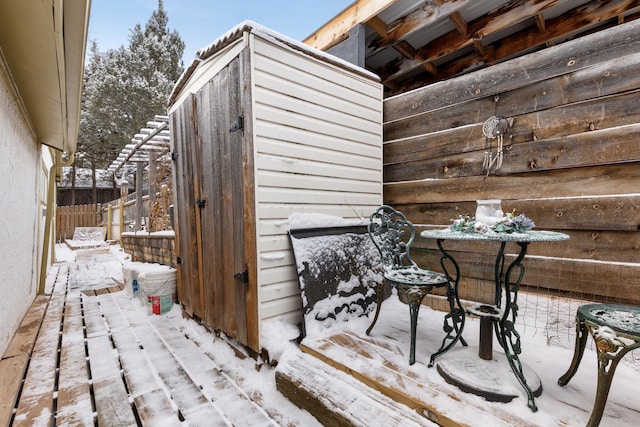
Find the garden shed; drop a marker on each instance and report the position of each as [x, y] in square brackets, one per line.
[264, 127]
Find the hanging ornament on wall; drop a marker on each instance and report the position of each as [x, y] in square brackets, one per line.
[494, 128]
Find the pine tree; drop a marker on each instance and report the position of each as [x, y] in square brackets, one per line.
[125, 87]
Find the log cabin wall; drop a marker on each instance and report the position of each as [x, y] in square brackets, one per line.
[571, 156]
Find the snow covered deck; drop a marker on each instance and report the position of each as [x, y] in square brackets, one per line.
[331, 360]
[89, 354]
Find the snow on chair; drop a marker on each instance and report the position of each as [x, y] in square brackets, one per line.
[392, 234]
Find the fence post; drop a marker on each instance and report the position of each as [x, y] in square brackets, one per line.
[109, 221]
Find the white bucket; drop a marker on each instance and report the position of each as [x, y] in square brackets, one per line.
[130, 275]
[158, 289]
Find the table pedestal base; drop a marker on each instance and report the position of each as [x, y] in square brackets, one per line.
[491, 379]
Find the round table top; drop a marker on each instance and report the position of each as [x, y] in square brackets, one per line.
[528, 236]
[620, 318]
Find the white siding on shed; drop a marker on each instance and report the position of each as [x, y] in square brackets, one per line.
[318, 149]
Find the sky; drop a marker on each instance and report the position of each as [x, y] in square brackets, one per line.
[199, 22]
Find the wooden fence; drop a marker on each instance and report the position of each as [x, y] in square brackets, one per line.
[70, 217]
[571, 161]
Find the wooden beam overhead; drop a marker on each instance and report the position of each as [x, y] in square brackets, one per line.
[338, 28]
[540, 22]
[573, 21]
[459, 22]
[377, 25]
[418, 20]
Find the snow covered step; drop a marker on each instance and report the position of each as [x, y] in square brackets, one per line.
[376, 364]
[336, 398]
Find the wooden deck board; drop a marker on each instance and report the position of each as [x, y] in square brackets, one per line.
[36, 401]
[25, 336]
[14, 362]
[331, 397]
[398, 382]
[188, 397]
[74, 393]
[112, 404]
[11, 373]
[208, 376]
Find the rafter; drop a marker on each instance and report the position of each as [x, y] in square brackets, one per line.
[571, 22]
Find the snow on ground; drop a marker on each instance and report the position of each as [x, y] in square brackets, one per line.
[545, 324]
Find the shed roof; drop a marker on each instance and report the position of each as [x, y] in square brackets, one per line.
[237, 32]
[412, 43]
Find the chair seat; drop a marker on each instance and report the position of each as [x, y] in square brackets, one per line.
[623, 319]
[414, 276]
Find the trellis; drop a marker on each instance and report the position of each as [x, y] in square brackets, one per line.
[146, 147]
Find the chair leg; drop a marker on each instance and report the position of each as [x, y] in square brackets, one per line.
[414, 308]
[581, 342]
[413, 295]
[610, 350]
[379, 291]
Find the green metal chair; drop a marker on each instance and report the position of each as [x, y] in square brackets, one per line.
[616, 331]
[392, 234]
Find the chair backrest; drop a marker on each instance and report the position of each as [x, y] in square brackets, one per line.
[392, 233]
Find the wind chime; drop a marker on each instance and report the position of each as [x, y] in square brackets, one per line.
[494, 128]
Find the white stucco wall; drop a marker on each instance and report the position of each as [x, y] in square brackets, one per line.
[20, 173]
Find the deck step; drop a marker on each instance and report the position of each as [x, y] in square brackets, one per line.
[375, 365]
[335, 399]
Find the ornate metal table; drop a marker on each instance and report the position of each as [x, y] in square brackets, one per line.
[503, 312]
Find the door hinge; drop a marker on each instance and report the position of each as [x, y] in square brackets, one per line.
[179, 260]
[174, 156]
[238, 125]
[200, 203]
[243, 277]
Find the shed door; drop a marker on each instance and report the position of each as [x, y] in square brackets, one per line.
[224, 230]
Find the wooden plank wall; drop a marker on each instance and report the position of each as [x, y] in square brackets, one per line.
[70, 217]
[571, 158]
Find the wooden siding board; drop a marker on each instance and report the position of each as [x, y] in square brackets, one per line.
[613, 77]
[237, 296]
[275, 259]
[285, 149]
[281, 306]
[310, 167]
[280, 290]
[281, 276]
[299, 196]
[316, 124]
[280, 212]
[311, 66]
[588, 213]
[184, 210]
[309, 182]
[275, 242]
[608, 246]
[593, 181]
[320, 93]
[250, 217]
[272, 130]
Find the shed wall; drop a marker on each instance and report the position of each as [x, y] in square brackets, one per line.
[571, 160]
[318, 149]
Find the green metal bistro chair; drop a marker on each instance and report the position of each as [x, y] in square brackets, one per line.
[392, 233]
[616, 331]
